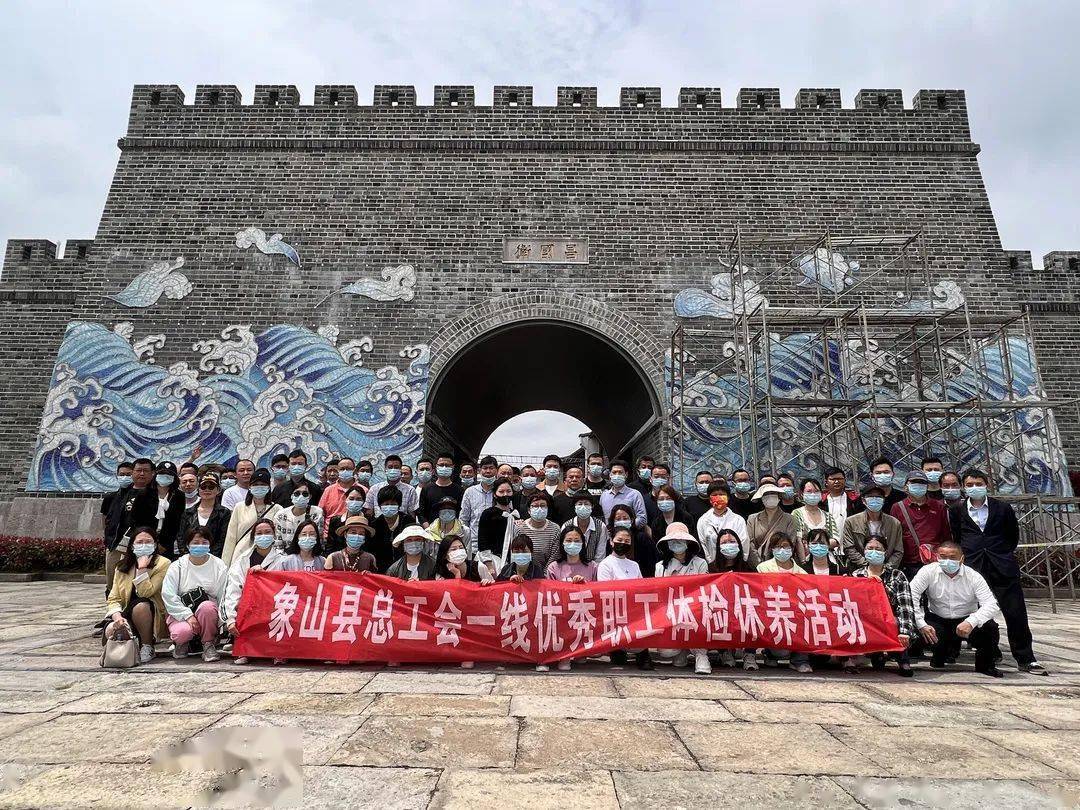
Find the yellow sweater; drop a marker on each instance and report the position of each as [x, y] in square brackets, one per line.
[149, 588]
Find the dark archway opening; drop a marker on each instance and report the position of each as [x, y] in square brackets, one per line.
[539, 365]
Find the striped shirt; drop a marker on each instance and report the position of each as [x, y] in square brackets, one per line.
[544, 540]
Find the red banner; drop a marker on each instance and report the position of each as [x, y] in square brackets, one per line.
[339, 616]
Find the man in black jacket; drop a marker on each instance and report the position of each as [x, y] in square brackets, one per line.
[298, 465]
[988, 533]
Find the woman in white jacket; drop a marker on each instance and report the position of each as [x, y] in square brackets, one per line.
[255, 506]
[263, 554]
[680, 555]
[196, 580]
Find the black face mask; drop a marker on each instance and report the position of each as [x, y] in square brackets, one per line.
[503, 500]
[621, 549]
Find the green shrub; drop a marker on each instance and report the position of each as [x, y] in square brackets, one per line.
[24, 555]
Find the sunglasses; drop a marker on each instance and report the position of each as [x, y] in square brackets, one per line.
[207, 487]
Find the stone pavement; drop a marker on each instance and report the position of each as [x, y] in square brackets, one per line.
[75, 736]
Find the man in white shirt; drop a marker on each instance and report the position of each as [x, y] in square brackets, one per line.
[478, 497]
[960, 605]
[621, 493]
[394, 478]
[718, 518]
[237, 493]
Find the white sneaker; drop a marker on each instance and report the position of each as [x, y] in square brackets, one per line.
[563, 666]
[146, 653]
[701, 664]
[466, 664]
[241, 660]
[543, 668]
[680, 658]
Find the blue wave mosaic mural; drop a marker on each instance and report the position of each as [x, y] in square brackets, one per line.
[798, 370]
[251, 396]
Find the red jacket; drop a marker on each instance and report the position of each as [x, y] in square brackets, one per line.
[930, 521]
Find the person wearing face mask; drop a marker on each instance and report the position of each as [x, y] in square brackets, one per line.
[299, 511]
[718, 518]
[933, 469]
[572, 562]
[779, 553]
[669, 506]
[644, 550]
[924, 523]
[883, 475]
[731, 559]
[619, 493]
[425, 474]
[698, 504]
[279, 472]
[951, 490]
[364, 472]
[135, 599]
[786, 483]
[388, 525]
[872, 520]
[452, 562]
[987, 530]
[591, 527]
[838, 501]
[414, 563]
[595, 482]
[760, 526]
[189, 486]
[193, 588]
[959, 606]
[261, 554]
[898, 590]
[235, 495]
[332, 502]
[479, 496]
[446, 523]
[297, 470]
[467, 474]
[553, 471]
[356, 531]
[821, 558]
[740, 502]
[811, 516]
[620, 564]
[495, 528]
[442, 487]
[256, 506]
[305, 550]
[410, 501]
[642, 481]
[543, 533]
[354, 505]
[680, 555]
[530, 481]
[170, 507]
[207, 514]
[564, 501]
[112, 521]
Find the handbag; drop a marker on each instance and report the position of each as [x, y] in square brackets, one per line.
[121, 651]
[193, 598]
[927, 554]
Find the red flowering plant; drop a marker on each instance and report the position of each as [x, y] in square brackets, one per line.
[24, 555]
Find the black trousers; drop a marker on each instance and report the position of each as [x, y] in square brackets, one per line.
[1010, 597]
[983, 638]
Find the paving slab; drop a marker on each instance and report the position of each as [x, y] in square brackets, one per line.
[439, 705]
[20, 680]
[320, 735]
[576, 745]
[118, 786]
[26, 701]
[695, 688]
[314, 703]
[934, 752]
[343, 681]
[1053, 690]
[641, 791]
[73, 738]
[427, 742]
[195, 679]
[1055, 714]
[385, 788]
[927, 692]
[529, 790]
[781, 711]
[439, 683]
[902, 714]
[562, 684]
[770, 748]
[826, 691]
[1059, 749]
[141, 702]
[954, 793]
[602, 708]
[11, 723]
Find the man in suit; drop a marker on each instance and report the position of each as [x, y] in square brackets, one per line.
[872, 520]
[988, 533]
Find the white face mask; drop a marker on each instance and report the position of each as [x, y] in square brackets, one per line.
[457, 556]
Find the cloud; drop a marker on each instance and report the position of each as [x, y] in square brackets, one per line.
[535, 433]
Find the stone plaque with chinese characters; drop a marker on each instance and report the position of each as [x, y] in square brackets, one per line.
[545, 251]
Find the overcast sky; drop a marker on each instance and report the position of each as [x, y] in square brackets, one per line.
[68, 68]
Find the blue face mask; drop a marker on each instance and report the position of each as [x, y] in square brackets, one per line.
[279, 473]
[811, 498]
[918, 490]
[743, 486]
[487, 480]
[883, 479]
[199, 550]
[596, 470]
[875, 503]
[949, 566]
[622, 524]
[143, 549]
[123, 481]
[260, 491]
[702, 489]
[729, 550]
[950, 493]
[522, 558]
[389, 509]
[300, 500]
[447, 515]
[644, 473]
[264, 540]
[819, 549]
[307, 542]
[788, 491]
[354, 507]
[573, 548]
[354, 541]
[538, 512]
[424, 476]
[227, 482]
[363, 476]
[583, 510]
[468, 481]
[444, 472]
[552, 473]
[393, 475]
[164, 480]
[296, 470]
[659, 482]
[528, 481]
[666, 505]
[781, 554]
[976, 493]
[874, 556]
[414, 547]
[933, 476]
[345, 476]
[677, 546]
[618, 479]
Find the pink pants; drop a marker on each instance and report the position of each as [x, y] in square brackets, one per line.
[207, 614]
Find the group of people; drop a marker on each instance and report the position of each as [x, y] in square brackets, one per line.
[180, 541]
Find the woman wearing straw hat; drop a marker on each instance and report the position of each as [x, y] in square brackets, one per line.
[760, 526]
[356, 531]
[680, 555]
